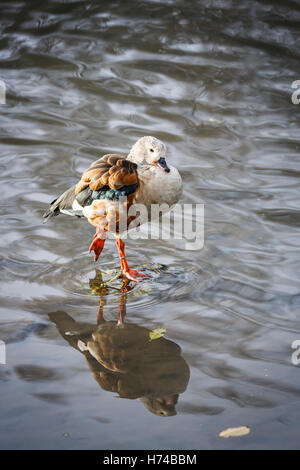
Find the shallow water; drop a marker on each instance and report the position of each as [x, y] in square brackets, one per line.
[213, 81]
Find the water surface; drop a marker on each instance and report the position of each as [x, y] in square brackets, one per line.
[213, 81]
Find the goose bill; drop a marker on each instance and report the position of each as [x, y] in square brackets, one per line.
[161, 163]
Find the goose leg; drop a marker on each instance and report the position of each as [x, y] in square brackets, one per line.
[131, 274]
[100, 317]
[98, 243]
[122, 309]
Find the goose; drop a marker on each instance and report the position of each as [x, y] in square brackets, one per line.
[117, 193]
[124, 359]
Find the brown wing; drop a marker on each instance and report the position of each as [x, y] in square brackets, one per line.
[111, 170]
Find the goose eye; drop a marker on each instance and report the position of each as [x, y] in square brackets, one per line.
[151, 150]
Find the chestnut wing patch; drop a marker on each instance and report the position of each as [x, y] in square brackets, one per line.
[110, 176]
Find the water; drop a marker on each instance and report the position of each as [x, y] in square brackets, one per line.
[213, 81]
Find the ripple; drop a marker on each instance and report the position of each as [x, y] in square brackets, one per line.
[165, 284]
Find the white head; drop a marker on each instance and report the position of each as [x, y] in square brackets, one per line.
[149, 151]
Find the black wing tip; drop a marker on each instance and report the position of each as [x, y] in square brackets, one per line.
[48, 214]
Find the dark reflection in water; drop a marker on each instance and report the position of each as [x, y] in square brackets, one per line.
[213, 80]
[123, 359]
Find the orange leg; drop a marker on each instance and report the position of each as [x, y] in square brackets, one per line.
[131, 274]
[98, 243]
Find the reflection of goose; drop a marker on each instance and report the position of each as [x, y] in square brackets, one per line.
[142, 177]
[123, 360]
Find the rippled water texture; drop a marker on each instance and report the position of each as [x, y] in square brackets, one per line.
[213, 81]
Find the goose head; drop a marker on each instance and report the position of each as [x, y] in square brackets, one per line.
[149, 151]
